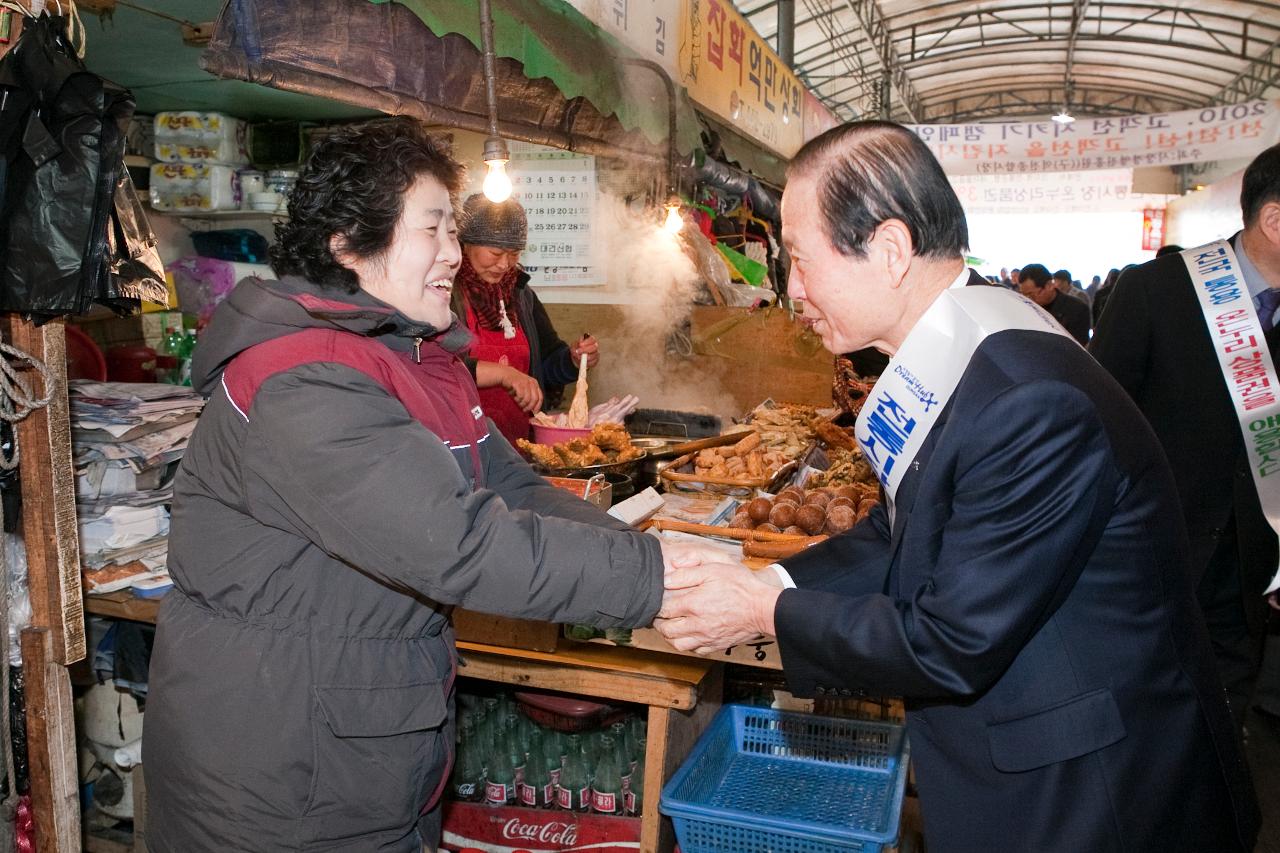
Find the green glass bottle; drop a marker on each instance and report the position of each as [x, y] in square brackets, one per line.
[606, 788]
[574, 791]
[500, 783]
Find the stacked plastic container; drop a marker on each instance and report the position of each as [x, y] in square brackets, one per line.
[199, 154]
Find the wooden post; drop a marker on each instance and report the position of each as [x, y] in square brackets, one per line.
[671, 736]
[51, 740]
[49, 497]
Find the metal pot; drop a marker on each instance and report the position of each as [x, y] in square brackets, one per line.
[658, 454]
[621, 485]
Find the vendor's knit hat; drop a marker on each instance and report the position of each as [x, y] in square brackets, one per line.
[501, 225]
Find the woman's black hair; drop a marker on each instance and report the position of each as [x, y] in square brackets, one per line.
[353, 186]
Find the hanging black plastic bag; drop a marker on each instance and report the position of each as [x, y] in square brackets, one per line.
[62, 130]
[136, 270]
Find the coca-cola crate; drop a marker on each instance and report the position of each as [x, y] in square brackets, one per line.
[760, 779]
[506, 829]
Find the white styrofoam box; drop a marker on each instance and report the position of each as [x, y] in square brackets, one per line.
[187, 187]
[201, 137]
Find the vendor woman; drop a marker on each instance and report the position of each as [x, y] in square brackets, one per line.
[517, 358]
[340, 493]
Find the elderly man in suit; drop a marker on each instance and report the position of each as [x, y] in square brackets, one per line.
[1024, 585]
[1154, 339]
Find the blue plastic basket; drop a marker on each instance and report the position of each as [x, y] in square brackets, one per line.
[765, 781]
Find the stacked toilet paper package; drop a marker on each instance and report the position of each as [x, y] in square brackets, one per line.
[200, 155]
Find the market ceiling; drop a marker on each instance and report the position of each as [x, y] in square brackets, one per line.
[953, 62]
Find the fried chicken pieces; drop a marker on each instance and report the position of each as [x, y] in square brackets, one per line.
[608, 444]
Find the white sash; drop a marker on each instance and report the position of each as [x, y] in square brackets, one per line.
[1246, 366]
[914, 389]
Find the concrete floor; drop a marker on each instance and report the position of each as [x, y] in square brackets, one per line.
[1263, 748]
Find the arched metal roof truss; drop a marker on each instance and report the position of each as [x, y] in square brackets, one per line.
[954, 62]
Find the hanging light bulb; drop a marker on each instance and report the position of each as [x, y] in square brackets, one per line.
[674, 222]
[497, 184]
[1064, 117]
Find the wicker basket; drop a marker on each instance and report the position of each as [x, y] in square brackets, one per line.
[690, 482]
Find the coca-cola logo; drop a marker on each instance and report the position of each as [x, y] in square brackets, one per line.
[551, 832]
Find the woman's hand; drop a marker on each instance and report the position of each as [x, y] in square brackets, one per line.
[523, 388]
[589, 347]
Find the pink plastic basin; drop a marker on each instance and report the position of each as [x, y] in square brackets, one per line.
[555, 435]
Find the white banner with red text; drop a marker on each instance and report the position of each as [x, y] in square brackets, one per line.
[1228, 132]
[1246, 365]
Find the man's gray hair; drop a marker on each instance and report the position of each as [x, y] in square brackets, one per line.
[874, 171]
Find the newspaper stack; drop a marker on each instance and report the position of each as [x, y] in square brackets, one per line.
[127, 439]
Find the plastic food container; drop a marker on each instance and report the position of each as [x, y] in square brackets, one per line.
[269, 201]
[567, 713]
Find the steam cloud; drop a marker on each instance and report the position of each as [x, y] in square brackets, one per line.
[658, 282]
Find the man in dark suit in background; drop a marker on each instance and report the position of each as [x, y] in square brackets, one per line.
[1072, 314]
[1154, 340]
[1028, 592]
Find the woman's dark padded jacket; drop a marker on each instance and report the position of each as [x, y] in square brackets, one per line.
[339, 494]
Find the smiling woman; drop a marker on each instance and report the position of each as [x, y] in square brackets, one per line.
[415, 273]
[341, 491]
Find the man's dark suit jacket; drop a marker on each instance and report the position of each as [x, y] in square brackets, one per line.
[1072, 313]
[1032, 604]
[1153, 339]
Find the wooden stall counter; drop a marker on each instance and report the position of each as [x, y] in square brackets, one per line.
[681, 693]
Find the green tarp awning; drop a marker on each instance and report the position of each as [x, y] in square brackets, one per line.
[551, 39]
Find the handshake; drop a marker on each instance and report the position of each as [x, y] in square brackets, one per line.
[712, 602]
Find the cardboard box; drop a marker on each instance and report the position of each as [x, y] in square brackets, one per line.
[763, 654]
[507, 829]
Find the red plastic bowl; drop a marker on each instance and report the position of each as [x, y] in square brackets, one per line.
[84, 359]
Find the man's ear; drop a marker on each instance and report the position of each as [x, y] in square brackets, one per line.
[896, 247]
[1269, 222]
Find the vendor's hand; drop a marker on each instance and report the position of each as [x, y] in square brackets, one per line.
[686, 554]
[524, 389]
[589, 347]
[713, 606]
[1274, 600]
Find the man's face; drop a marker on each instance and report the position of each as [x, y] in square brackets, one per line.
[1063, 285]
[849, 302]
[1042, 296]
[1015, 276]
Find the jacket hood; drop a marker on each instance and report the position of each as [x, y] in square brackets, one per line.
[260, 310]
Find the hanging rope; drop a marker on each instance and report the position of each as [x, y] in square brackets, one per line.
[17, 400]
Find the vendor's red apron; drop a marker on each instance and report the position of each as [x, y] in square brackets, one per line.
[490, 345]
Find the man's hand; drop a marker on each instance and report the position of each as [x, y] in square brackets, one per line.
[1274, 600]
[713, 606]
[524, 389]
[588, 347]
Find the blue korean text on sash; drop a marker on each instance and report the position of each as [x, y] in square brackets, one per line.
[889, 425]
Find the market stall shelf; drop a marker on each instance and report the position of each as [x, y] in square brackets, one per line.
[682, 694]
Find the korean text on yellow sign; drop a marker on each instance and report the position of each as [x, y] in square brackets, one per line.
[726, 67]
